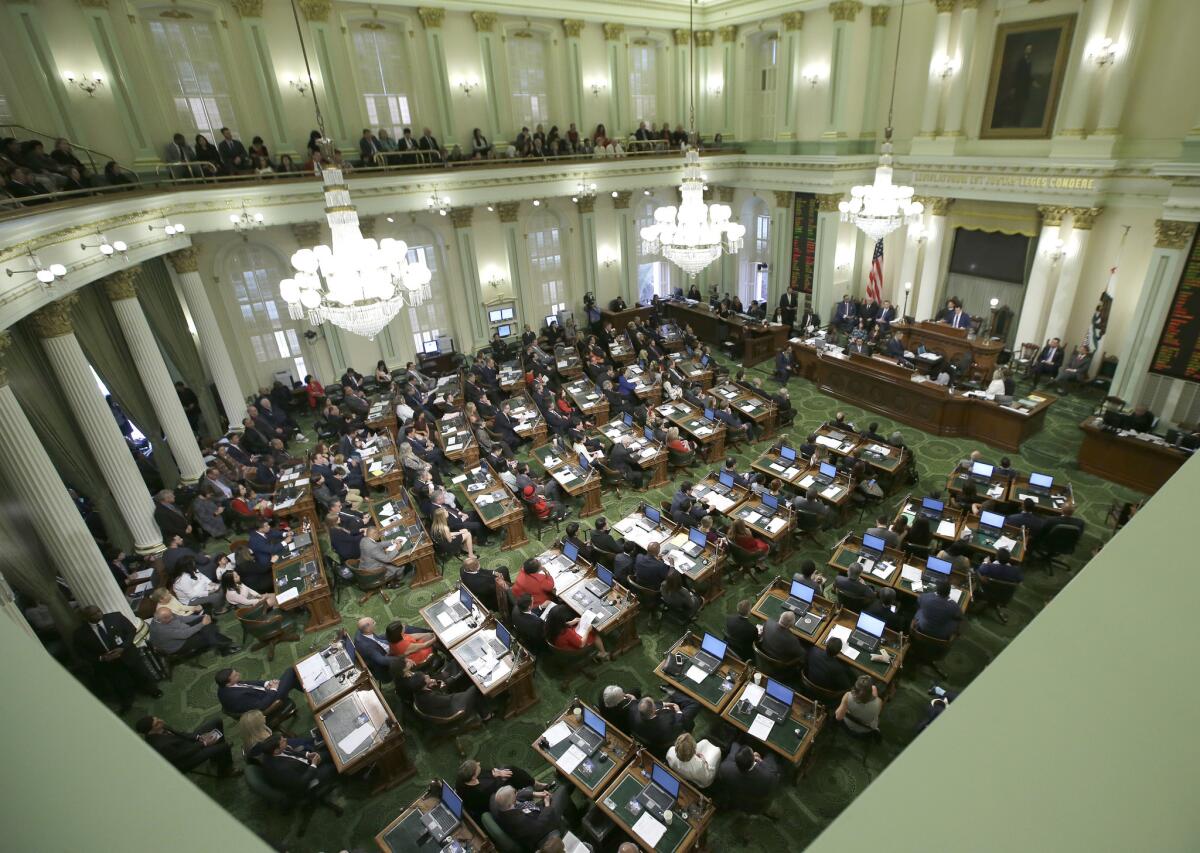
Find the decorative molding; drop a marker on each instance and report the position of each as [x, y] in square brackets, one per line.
[879, 16]
[54, 320]
[307, 234]
[508, 210]
[430, 17]
[94, 4]
[704, 38]
[784, 198]
[621, 200]
[1082, 218]
[828, 202]
[972, 4]
[122, 284]
[937, 205]
[315, 10]
[366, 226]
[725, 194]
[484, 21]
[586, 203]
[461, 216]
[1171, 234]
[944, 7]
[1051, 214]
[728, 34]
[793, 21]
[176, 14]
[613, 32]
[184, 260]
[847, 10]
[572, 27]
[248, 8]
[681, 37]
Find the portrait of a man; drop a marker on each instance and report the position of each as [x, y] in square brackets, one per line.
[1027, 72]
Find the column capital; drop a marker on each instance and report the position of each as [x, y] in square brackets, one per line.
[1172, 234]
[184, 260]
[307, 234]
[248, 8]
[621, 199]
[828, 202]
[316, 10]
[431, 18]
[704, 38]
[971, 4]
[1051, 215]
[122, 284]
[847, 10]
[728, 33]
[94, 4]
[784, 198]
[944, 7]
[461, 216]
[613, 32]
[508, 210]
[5, 343]
[484, 21]
[879, 16]
[54, 320]
[572, 27]
[935, 204]
[680, 37]
[586, 203]
[793, 21]
[725, 194]
[1083, 217]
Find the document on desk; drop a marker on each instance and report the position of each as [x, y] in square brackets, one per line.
[1005, 542]
[312, 672]
[831, 492]
[701, 432]
[910, 573]
[884, 569]
[761, 727]
[356, 738]
[955, 594]
[808, 480]
[649, 829]
[557, 733]
[776, 525]
[498, 673]
[696, 674]
[571, 759]
[842, 632]
[996, 491]
[753, 693]
[946, 528]
[287, 595]
[752, 517]
[444, 619]
[826, 441]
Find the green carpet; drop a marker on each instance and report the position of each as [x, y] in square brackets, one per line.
[837, 774]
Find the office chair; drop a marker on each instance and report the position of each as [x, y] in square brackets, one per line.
[1054, 542]
[994, 593]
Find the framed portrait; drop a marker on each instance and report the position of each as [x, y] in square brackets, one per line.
[1028, 65]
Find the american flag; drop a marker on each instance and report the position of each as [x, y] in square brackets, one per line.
[875, 277]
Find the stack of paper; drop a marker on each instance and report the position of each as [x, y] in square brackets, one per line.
[1005, 542]
[946, 528]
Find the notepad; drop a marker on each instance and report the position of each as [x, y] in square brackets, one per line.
[761, 727]
[776, 524]
[287, 595]
[1005, 542]
[831, 492]
[753, 517]
[312, 672]
[355, 739]
[696, 674]
[946, 528]
[649, 829]
[557, 733]
[444, 619]
[753, 693]
[571, 759]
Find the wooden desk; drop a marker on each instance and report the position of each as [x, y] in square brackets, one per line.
[777, 530]
[495, 505]
[400, 525]
[650, 456]
[1060, 496]
[708, 436]
[716, 689]
[334, 681]
[995, 488]
[775, 467]
[572, 479]
[527, 420]
[381, 417]
[692, 370]
[621, 350]
[445, 623]
[305, 574]
[772, 601]
[642, 531]
[843, 623]
[621, 319]
[962, 587]
[705, 570]
[457, 441]
[567, 364]
[591, 403]
[293, 498]
[1128, 460]
[883, 573]
[512, 677]
[839, 442]
[951, 343]
[985, 543]
[511, 377]
[754, 342]
[384, 748]
[908, 509]
[615, 612]
[791, 739]
[880, 385]
[647, 390]
[751, 405]
[714, 495]
[692, 812]
[597, 772]
[402, 834]
[381, 469]
[836, 494]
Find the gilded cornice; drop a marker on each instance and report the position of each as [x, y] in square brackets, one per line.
[613, 32]
[704, 38]
[944, 7]
[681, 37]
[586, 203]
[935, 204]
[1082, 218]
[485, 22]
[572, 27]
[430, 17]
[1052, 215]
[828, 202]
[725, 194]
[784, 198]
[793, 21]
[366, 226]
[307, 234]
[461, 216]
[315, 10]
[1172, 234]
[846, 10]
[879, 16]
[728, 34]
[508, 210]
[248, 8]
[621, 199]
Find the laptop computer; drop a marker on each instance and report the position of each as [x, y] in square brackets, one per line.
[442, 819]
[627, 419]
[725, 479]
[1040, 482]
[931, 508]
[708, 415]
[652, 515]
[711, 653]
[872, 546]
[991, 523]
[982, 470]
[601, 583]
[770, 504]
[502, 642]
[867, 633]
[787, 454]
[704, 362]
[936, 569]
[660, 793]
[839, 437]
[336, 659]
[570, 550]
[590, 735]
[584, 464]
[776, 702]
[462, 608]
[649, 433]
[697, 540]
[827, 474]
[799, 598]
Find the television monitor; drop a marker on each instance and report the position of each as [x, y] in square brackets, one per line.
[430, 347]
[504, 331]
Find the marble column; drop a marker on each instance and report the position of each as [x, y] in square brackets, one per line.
[485, 24]
[94, 419]
[212, 344]
[931, 265]
[1033, 309]
[780, 274]
[682, 40]
[879, 19]
[725, 275]
[844, 12]
[1082, 219]
[934, 84]
[52, 512]
[1120, 73]
[572, 29]
[913, 237]
[431, 20]
[1073, 106]
[472, 291]
[957, 99]
[587, 240]
[824, 287]
[531, 305]
[156, 379]
[788, 79]
[1171, 242]
[729, 79]
[629, 241]
[618, 76]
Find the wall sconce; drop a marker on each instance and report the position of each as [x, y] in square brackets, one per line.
[245, 221]
[714, 86]
[943, 66]
[85, 84]
[919, 235]
[1056, 251]
[1103, 52]
[494, 279]
[597, 86]
[467, 84]
[301, 86]
[537, 202]
[813, 75]
[171, 229]
[46, 273]
[107, 249]
[994, 302]
[609, 259]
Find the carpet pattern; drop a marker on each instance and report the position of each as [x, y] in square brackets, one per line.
[804, 808]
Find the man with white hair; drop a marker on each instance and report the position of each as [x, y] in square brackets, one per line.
[529, 817]
[374, 649]
[171, 634]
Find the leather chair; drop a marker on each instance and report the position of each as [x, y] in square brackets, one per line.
[806, 525]
[268, 628]
[437, 730]
[502, 840]
[924, 649]
[677, 459]
[1056, 541]
[648, 597]
[993, 592]
[745, 560]
[828, 698]
[369, 581]
[780, 670]
[609, 479]
[567, 663]
[855, 603]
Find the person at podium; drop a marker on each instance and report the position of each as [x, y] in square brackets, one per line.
[954, 316]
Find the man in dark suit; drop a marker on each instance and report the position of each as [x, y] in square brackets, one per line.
[528, 816]
[1049, 360]
[648, 569]
[809, 576]
[846, 312]
[789, 301]
[657, 724]
[810, 319]
[485, 584]
[105, 641]
[1028, 518]
[266, 544]
[293, 770]
[603, 539]
[886, 315]
[779, 642]
[171, 521]
[1001, 568]
[824, 669]
[233, 153]
[374, 650]
[188, 750]
[408, 147]
[937, 616]
[1076, 370]
[747, 779]
[783, 365]
[528, 626]
[429, 145]
[740, 632]
[505, 428]
[954, 316]
[368, 147]
[852, 585]
[620, 461]
[271, 697]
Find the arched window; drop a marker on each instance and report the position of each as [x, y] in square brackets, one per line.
[643, 79]
[546, 267]
[430, 321]
[527, 78]
[253, 272]
[654, 273]
[383, 75]
[756, 256]
[193, 69]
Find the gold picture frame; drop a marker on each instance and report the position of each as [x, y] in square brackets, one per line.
[1029, 62]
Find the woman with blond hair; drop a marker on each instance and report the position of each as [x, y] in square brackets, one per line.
[695, 762]
[457, 543]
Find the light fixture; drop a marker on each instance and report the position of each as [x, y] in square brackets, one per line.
[437, 204]
[355, 283]
[943, 66]
[107, 249]
[1103, 52]
[609, 259]
[907, 291]
[85, 84]
[1056, 251]
[245, 221]
[584, 189]
[597, 85]
[880, 208]
[45, 273]
[491, 208]
[389, 219]
[615, 193]
[813, 74]
[299, 85]
[919, 235]
[467, 84]
[495, 279]
[171, 229]
[714, 86]
[694, 234]
[994, 302]
[537, 202]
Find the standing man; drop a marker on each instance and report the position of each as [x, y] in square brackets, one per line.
[789, 302]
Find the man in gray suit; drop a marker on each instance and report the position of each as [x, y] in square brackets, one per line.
[375, 555]
[884, 532]
[171, 634]
[778, 640]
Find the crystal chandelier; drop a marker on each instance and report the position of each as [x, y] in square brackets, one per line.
[695, 234]
[879, 208]
[584, 189]
[436, 204]
[355, 283]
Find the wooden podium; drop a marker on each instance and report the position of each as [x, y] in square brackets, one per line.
[951, 343]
